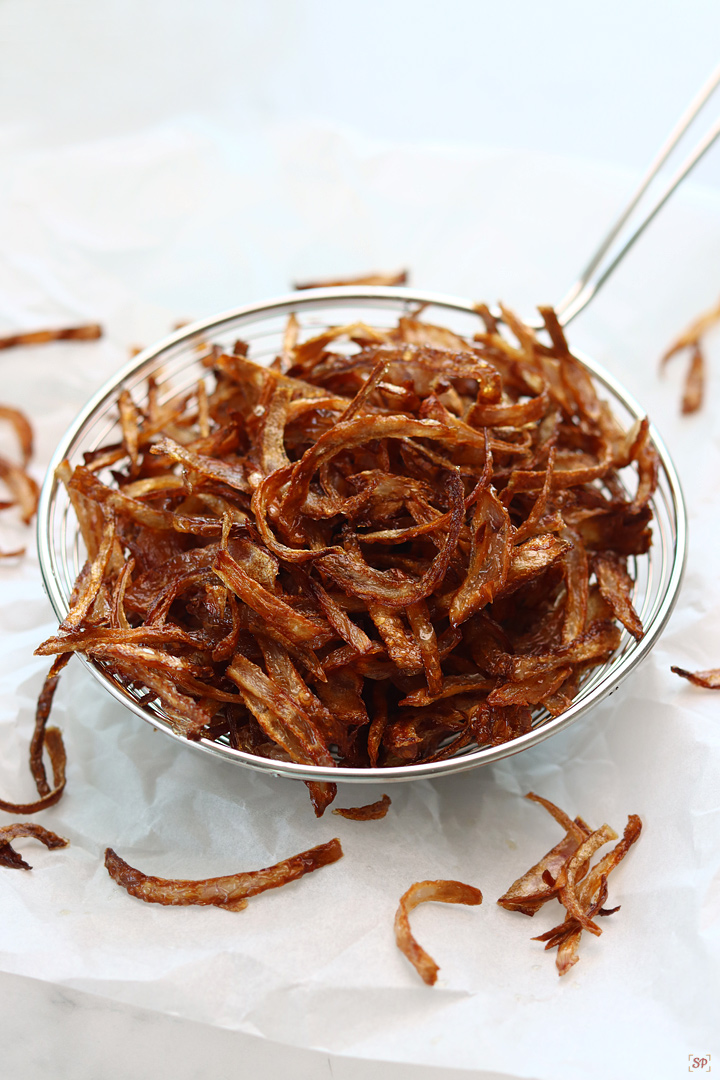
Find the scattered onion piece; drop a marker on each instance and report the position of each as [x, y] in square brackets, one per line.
[42, 714]
[565, 873]
[371, 812]
[9, 857]
[537, 885]
[91, 332]
[321, 795]
[383, 548]
[447, 892]
[591, 898]
[694, 389]
[230, 892]
[691, 339]
[24, 489]
[709, 680]
[23, 430]
[55, 747]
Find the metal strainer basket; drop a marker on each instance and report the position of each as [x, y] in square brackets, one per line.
[176, 363]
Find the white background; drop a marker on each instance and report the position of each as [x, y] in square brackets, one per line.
[166, 160]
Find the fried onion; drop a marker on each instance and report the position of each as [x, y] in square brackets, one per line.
[564, 873]
[9, 857]
[230, 892]
[446, 892]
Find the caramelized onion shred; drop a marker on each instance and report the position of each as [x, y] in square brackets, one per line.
[446, 892]
[45, 739]
[371, 812]
[9, 857]
[386, 546]
[23, 489]
[709, 680]
[691, 342]
[565, 873]
[89, 332]
[230, 892]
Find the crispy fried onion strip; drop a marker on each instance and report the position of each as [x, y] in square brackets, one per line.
[447, 892]
[537, 885]
[283, 719]
[591, 897]
[23, 430]
[23, 488]
[709, 680]
[9, 857]
[42, 715]
[45, 738]
[55, 747]
[565, 872]
[371, 812]
[399, 278]
[616, 587]
[91, 332]
[230, 892]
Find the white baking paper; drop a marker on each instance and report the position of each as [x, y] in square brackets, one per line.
[184, 220]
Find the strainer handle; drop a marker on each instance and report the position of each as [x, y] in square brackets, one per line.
[599, 269]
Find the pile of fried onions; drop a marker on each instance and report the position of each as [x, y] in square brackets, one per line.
[386, 546]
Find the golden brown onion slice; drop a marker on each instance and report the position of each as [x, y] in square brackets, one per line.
[694, 389]
[55, 747]
[230, 892]
[447, 892]
[371, 812]
[9, 857]
[709, 680]
[23, 488]
[41, 337]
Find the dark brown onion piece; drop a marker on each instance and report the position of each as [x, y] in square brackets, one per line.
[371, 812]
[55, 747]
[90, 332]
[42, 714]
[321, 795]
[9, 857]
[616, 588]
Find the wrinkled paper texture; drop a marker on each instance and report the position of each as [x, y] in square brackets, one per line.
[177, 222]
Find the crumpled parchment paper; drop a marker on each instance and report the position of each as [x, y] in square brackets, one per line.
[181, 221]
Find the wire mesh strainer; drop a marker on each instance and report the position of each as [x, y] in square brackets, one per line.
[176, 363]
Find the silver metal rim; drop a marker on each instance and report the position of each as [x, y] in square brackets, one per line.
[672, 567]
